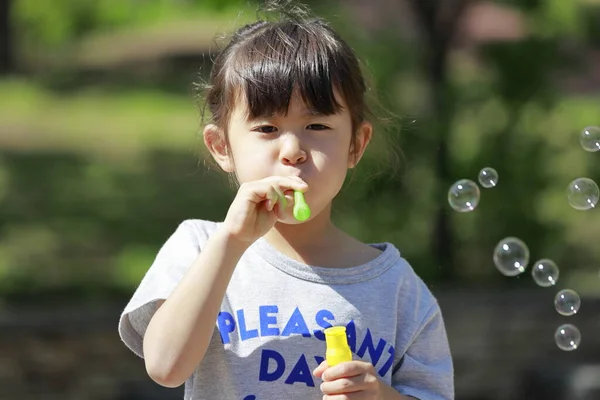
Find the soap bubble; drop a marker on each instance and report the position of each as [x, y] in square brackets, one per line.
[545, 272]
[590, 138]
[463, 195]
[511, 256]
[583, 194]
[567, 302]
[567, 337]
[488, 177]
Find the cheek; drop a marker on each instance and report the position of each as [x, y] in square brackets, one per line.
[333, 158]
[251, 162]
[332, 169]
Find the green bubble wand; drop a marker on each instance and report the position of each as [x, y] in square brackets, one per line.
[301, 209]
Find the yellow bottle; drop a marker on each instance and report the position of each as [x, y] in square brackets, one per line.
[338, 350]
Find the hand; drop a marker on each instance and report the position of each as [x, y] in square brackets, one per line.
[258, 205]
[353, 380]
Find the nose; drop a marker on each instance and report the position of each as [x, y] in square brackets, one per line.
[291, 152]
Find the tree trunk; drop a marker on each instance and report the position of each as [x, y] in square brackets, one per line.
[6, 55]
[443, 110]
[439, 19]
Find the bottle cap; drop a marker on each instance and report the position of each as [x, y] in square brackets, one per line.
[338, 349]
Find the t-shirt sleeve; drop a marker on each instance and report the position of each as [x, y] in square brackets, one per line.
[425, 371]
[169, 266]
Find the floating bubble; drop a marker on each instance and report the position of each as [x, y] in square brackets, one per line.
[511, 256]
[567, 337]
[583, 194]
[567, 302]
[590, 138]
[545, 272]
[463, 195]
[488, 177]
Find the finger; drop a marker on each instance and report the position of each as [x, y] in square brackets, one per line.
[300, 180]
[272, 199]
[280, 197]
[278, 201]
[349, 396]
[258, 191]
[320, 369]
[347, 369]
[291, 182]
[344, 385]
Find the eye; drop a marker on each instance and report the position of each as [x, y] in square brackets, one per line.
[265, 129]
[317, 127]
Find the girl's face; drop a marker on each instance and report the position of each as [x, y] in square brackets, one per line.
[317, 148]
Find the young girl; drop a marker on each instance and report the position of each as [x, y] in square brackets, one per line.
[236, 309]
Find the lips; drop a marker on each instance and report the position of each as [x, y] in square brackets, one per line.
[295, 172]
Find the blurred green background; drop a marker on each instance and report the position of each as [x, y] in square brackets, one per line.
[101, 157]
[100, 153]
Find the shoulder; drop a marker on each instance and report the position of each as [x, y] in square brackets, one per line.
[409, 279]
[198, 228]
[413, 294]
[187, 239]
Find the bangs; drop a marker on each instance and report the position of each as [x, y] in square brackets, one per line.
[286, 59]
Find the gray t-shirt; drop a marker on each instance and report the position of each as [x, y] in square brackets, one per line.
[268, 335]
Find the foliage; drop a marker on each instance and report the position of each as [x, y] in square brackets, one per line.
[92, 181]
[58, 22]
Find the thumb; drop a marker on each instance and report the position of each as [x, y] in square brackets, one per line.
[318, 372]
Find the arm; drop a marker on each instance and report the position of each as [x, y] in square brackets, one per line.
[179, 332]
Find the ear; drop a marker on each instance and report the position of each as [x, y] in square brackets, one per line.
[214, 139]
[363, 136]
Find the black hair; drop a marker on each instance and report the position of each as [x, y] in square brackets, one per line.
[267, 61]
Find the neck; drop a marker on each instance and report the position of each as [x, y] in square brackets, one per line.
[319, 242]
[317, 232]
